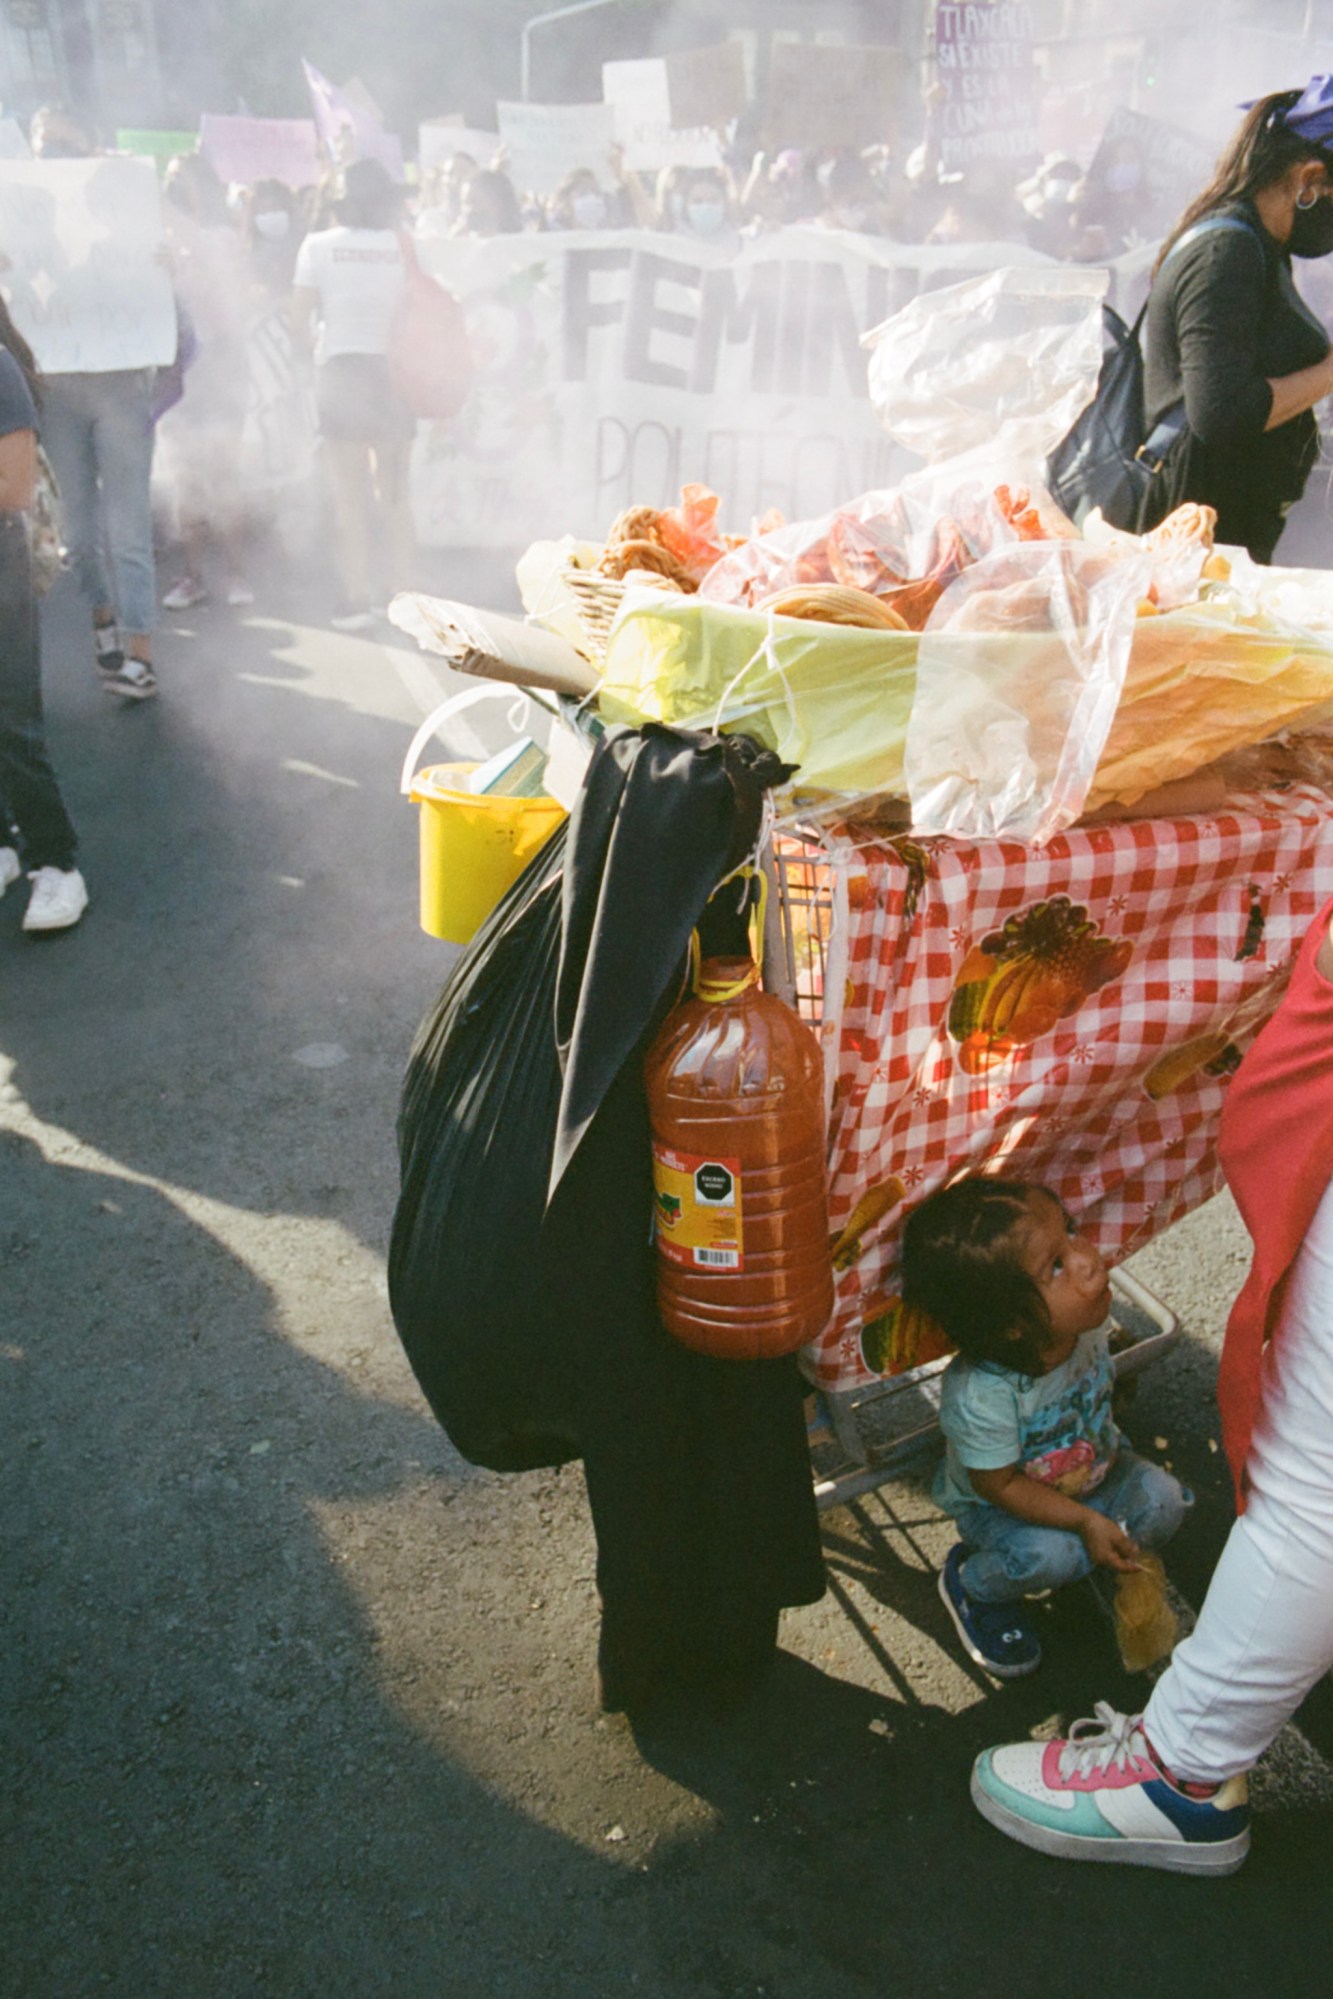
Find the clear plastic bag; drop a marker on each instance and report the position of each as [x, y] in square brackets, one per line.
[1002, 364]
[1019, 675]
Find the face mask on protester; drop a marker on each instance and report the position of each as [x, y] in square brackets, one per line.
[1058, 193]
[1312, 229]
[1123, 178]
[274, 225]
[588, 210]
[706, 217]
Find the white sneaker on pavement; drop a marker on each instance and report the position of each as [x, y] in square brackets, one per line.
[132, 680]
[239, 593]
[59, 898]
[10, 867]
[183, 596]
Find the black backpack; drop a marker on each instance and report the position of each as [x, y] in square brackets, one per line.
[1105, 460]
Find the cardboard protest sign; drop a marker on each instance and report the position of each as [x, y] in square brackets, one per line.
[1170, 167]
[160, 147]
[639, 95]
[984, 63]
[835, 96]
[245, 150]
[443, 137]
[706, 87]
[544, 142]
[85, 284]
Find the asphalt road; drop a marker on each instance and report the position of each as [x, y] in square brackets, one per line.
[292, 1700]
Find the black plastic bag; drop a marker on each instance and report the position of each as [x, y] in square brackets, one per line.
[475, 1132]
[526, 1297]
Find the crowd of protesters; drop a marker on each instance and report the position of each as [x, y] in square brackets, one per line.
[149, 459]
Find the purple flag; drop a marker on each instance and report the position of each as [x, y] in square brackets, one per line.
[347, 132]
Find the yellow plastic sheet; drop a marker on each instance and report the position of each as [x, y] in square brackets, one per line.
[1202, 682]
[834, 700]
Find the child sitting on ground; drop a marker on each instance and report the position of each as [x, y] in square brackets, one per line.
[1035, 1474]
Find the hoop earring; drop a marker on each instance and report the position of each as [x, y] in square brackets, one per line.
[1304, 205]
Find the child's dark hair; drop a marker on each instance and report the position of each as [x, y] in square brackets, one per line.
[960, 1263]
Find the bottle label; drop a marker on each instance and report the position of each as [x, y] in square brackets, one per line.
[698, 1209]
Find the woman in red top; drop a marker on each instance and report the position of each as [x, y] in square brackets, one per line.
[1167, 1788]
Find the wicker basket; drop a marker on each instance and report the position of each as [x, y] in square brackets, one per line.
[598, 599]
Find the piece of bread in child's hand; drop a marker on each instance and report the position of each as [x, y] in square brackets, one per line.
[1145, 1624]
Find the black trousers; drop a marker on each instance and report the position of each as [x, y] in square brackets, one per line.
[30, 801]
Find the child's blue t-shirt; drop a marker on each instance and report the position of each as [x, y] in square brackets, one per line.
[1058, 1426]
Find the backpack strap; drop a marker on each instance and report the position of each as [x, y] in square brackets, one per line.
[1211, 225]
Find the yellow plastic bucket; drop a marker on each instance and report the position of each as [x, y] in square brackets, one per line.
[472, 848]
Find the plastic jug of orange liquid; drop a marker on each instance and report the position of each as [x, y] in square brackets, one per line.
[736, 1101]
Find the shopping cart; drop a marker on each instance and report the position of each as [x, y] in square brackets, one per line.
[861, 1438]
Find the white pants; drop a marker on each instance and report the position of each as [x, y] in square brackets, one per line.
[1265, 1634]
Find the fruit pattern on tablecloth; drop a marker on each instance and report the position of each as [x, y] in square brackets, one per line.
[1067, 1015]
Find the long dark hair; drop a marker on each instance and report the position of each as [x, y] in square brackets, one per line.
[11, 338]
[961, 1263]
[1263, 150]
[369, 198]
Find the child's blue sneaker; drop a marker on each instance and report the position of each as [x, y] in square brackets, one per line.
[995, 1635]
[1101, 1794]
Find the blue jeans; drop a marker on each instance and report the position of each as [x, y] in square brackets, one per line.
[1011, 1558]
[98, 434]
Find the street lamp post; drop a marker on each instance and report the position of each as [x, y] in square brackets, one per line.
[544, 21]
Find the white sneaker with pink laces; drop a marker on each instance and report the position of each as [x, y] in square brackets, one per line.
[1100, 1793]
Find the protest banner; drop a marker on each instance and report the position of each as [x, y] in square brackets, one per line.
[441, 138]
[613, 366]
[544, 142]
[706, 87]
[245, 150]
[640, 97]
[985, 65]
[1173, 167]
[835, 96]
[160, 147]
[85, 283]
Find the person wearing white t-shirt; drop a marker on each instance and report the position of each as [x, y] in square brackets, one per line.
[348, 284]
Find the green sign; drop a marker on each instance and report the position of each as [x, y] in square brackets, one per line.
[158, 146]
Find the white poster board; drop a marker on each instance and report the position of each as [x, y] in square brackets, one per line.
[85, 283]
[614, 366]
[639, 94]
[544, 142]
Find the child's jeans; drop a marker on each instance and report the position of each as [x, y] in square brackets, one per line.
[1011, 1558]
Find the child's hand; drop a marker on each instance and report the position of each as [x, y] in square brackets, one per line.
[1108, 1545]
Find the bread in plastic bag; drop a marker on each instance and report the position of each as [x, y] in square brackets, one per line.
[1019, 674]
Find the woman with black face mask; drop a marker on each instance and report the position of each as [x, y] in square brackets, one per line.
[1228, 333]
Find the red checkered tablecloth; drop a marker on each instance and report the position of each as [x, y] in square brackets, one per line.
[1068, 1015]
